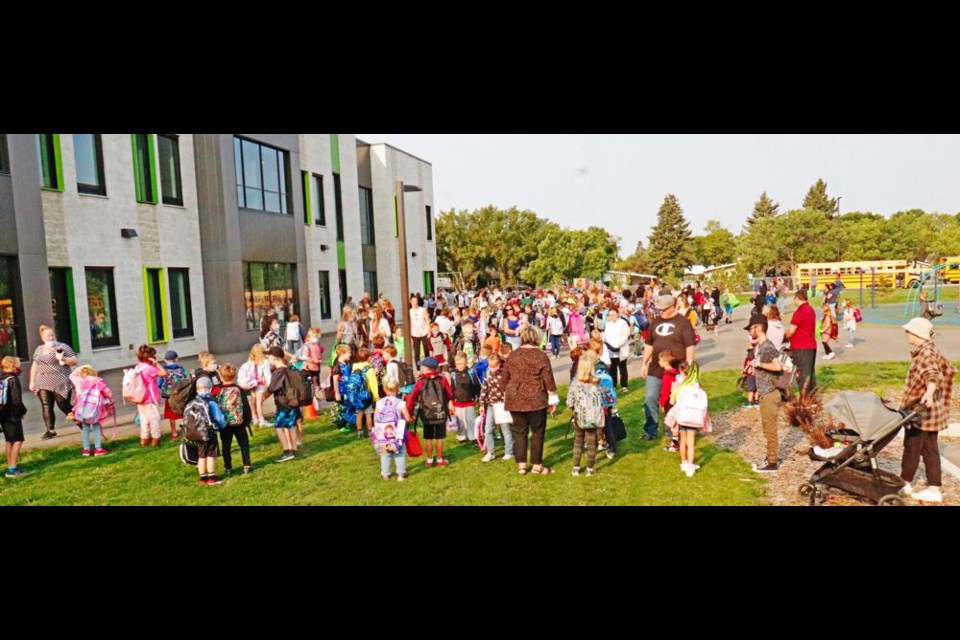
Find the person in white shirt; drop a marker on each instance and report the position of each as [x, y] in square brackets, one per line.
[775, 328]
[616, 336]
[419, 328]
[444, 323]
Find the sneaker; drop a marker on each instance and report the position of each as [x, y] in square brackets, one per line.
[461, 440]
[576, 472]
[768, 467]
[648, 437]
[401, 477]
[930, 494]
[590, 472]
[286, 457]
[830, 357]
[611, 455]
[907, 490]
[849, 346]
[174, 435]
[203, 480]
[49, 435]
[510, 457]
[428, 462]
[671, 449]
[488, 458]
[384, 477]
[16, 473]
[85, 453]
[247, 470]
[100, 452]
[690, 470]
[602, 447]
[624, 390]
[228, 473]
[214, 480]
[343, 430]
[443, 463]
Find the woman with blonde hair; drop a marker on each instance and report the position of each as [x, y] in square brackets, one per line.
[262, 363]
[50, 377]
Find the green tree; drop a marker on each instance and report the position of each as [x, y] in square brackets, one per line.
[765, 207]
[717, 246]
[801, 235]
[818, 199]
[670, 252]
[566, 254]
[636, 262]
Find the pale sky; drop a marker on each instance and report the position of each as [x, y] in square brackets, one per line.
[619, 181]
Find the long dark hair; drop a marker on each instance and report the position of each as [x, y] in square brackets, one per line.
[265, 323]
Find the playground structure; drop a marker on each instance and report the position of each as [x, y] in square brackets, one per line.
[935, 275]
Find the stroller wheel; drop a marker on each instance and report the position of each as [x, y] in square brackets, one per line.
[806, 489]
[890, 501]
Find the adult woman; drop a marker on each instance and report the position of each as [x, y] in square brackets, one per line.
[379, 326]
[347, 329]
[928, 390]
[775, 328]
[270, 332]
[511, 327]
[530, 388]
[390, 314]
[419, 327]
[50, 377]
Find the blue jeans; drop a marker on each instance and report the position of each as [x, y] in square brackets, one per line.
[400, 457]
[555, 344]
[86, 429]
[651, 406]
[490, 430]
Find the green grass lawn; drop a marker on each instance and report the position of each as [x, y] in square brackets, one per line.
[338, 469]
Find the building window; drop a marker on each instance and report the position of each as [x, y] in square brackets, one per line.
[4, 154]
[64, 306]
[427, 282]
[143, 168]
[269, 287]
[338, 203]
[170, 186]
[370, 284]
[319, 205]
[102, 308]
[367, 231]
[181, 312]
[48, 152]
[429, 225]
[88, 154]
[155, 299]
[325, 311]
[9, 308]
[342, 278]
[261, 176]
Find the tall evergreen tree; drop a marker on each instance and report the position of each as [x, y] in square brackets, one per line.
[818, 199]
[765, 207]
[670, 251]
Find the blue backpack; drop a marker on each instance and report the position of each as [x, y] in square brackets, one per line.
[642, 321]
[354, 391]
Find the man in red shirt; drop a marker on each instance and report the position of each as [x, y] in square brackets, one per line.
[803, 341]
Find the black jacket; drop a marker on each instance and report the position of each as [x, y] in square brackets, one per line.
[14, 407]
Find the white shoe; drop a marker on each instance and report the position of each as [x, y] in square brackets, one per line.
[830, 357]
[907, 490]
[488, 458]
[690, 470]
[850, 346]
[930, 494]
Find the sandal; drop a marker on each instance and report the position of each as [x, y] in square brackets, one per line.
[523, 471]
[543, 471]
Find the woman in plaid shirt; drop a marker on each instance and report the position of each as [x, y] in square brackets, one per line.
[929, 383]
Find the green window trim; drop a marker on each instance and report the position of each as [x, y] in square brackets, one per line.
[341, 254]
[138, 170]
[58, 162]
[149, 302]
[71, 300]
[307, 201]
[335, 151]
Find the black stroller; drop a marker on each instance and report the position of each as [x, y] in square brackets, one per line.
[870, 425]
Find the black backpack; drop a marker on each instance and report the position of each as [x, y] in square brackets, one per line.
[296, 392]
[433, 403]
[405, 372]
[182, 395]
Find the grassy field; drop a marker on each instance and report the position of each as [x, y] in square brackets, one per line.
[338, 469]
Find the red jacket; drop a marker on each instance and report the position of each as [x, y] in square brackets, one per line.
[415, 394]
[669, 377]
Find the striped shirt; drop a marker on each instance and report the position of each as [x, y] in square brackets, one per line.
[51, 375]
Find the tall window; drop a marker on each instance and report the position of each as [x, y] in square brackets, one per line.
[325, 311]
[319, 205]
[88, 154]
[367, 232]
[63, 305]
[181, 312]
[342, 279]
[48, 152]
[143, 171]
[370, 284]
[170, 186]
[154, 299]
[102, 308]
[338, 202]
[4, 154]
[427, 282]
[9, 308]
[269, 287]
[261, 176]
[429, 225]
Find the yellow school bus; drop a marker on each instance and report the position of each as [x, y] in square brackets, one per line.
[950, 273]
[889, 273]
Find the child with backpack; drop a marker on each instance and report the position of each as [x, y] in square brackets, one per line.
[202, 419]
[285, 385]
[92, 404]
[671, 369]
[398, 370]
[466, 390]
[483, 364]
[207, 368]
[688, 416]
[492, 398]
[340, 370]
[175, 375]
[389, 428]
[313, 355]
[585, 398]
[12, 411]
[438, 346]
[435, 397]
[468, 343]
[254, 377]
[378, 360]
[236, 416]
[140, 387]
[360, 391]
[851, 317]
[294, 334]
